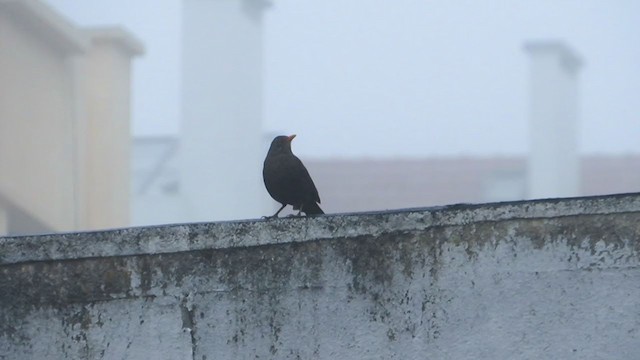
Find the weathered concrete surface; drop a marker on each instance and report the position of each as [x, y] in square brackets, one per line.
[556, 279]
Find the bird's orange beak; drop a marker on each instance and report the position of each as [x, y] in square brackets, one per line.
[290, 138]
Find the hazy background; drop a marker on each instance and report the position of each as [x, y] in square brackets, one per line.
[402, 78]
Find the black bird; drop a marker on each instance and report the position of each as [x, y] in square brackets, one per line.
[287, 180]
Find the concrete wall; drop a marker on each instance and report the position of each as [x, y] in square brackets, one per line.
[549, 279]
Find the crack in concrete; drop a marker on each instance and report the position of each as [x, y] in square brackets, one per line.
[187, 311]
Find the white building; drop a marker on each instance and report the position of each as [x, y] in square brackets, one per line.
[212, 170]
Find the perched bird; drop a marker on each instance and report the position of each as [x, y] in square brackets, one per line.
[287, 180]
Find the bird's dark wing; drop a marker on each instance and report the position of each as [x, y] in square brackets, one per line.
[276, 179]
[307, 187]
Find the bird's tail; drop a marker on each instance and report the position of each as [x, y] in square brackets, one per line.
[312, 209]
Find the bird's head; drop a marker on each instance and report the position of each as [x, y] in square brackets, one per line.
[281, 144]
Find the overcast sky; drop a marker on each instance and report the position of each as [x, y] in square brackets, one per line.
[403, 78]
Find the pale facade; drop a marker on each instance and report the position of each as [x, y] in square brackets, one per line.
[64, 122]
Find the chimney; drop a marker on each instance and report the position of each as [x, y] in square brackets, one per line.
[221, 143]
[553, 164]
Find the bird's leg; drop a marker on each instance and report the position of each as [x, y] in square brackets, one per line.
[276, 214]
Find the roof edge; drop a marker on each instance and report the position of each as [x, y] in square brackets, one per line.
[118, 36]
[47, 23]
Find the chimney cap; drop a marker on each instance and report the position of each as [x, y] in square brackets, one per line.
[570, 59]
